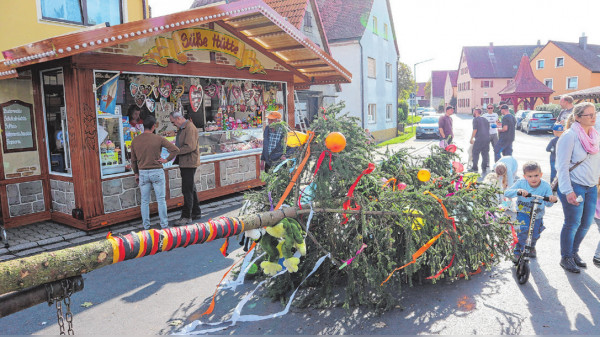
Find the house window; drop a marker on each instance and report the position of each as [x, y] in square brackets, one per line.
[388, 71]
[374, 25]
[487, 100]
[572, 82]
[549, 83]
[372, 68]
[540, 64]
[308, 22]
[487, 84]
[560, 62]
[83, 12]
[388, 112]
[385, 31]
[372, 113]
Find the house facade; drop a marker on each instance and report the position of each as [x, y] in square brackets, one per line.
[421, 100]
[566, 67]
[450, 87]
[484, 71]
[36, 20]
[438, 83]
[361, 37]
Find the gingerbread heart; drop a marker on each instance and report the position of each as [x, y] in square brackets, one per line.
[165, 89]
[133, 89]
[163, 103]
[145, 89]
[178, 91]
[236, 91]
[150, 104]
[140, 99]
[196, 95]
[249, 94]
[155, 92]
[211, 90]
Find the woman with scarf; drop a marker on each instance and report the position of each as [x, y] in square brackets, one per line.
[578, 169]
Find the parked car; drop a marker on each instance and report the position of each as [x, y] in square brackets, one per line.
[425, 111]
[538, 121]
[428, 127]
[520, 116]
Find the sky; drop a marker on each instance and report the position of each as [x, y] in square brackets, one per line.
[438, 29]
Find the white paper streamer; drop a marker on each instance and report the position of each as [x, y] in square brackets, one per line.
[237, 313]
[243, 271]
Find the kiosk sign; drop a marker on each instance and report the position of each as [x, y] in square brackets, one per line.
[17, 126]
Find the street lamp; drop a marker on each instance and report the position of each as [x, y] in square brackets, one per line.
[416, 85]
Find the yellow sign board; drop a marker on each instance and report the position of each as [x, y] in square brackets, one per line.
[184, 40]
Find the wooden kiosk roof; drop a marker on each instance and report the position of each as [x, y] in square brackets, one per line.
[252, 21]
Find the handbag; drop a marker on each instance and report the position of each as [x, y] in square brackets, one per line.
[554, 183]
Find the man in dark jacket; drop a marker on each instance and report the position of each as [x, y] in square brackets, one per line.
[188, 160]
[273, 139]
[480, 138]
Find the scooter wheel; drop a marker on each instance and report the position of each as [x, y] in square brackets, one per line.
[523, 272]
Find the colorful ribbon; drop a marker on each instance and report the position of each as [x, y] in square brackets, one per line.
[453, 226]
[320, 161]
[350, 193]
[349, 261]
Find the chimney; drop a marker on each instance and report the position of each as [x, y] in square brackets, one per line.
[491, 48]
[583, 42]
[539, 43]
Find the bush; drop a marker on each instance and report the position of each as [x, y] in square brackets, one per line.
[413, 119]
[402, 110]
[554, 108]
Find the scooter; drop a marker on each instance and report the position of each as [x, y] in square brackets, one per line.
[523, 262]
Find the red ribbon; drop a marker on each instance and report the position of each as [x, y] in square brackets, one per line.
[350, 193]
[320, 161]
[453, 226]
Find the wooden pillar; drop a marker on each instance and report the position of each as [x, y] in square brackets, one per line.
[290, 105]
[83, 137]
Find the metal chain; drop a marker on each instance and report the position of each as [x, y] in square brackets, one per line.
[59, 317]
[68, 290]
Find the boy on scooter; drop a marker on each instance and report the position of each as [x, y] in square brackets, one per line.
[531, 183]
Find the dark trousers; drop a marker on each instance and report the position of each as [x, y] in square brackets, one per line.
[191, 206]
[483, 148]
[502, 148]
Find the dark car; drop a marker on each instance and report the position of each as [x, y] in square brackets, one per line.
[538, 121]
[428, 127]
[520, 115]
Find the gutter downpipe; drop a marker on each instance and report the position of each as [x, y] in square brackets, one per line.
[362, 85]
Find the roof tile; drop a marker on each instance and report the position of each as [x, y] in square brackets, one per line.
[344, 19]
[495, 61]
[525, 82]
[589, 57]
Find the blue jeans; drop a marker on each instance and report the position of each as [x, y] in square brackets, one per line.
[538, 228]
[552, 170]
[153, 179]
[503, 148]
[577, 218]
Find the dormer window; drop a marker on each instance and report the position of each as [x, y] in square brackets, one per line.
[308, 22]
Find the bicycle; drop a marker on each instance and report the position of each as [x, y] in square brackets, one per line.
[522, 262]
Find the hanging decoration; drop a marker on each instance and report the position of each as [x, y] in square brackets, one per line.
[424, 175]
[150, 104]
[165, 89]
[196, 94]
[335, 142]
[133, 89]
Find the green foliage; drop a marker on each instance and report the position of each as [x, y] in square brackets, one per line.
[402, 110]
[413, 119]
[406, 82]
[391, 236]
[409, 132]
[453, 101]
[554, 108]
[428, 89]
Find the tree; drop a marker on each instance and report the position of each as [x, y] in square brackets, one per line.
[428, 89]
[453, 101]
[406, 82]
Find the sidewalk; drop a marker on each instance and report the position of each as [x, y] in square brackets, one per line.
[48, 235]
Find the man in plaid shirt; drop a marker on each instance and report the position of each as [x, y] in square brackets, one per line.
[272, 143]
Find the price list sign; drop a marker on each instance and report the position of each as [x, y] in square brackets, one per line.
[17, 126]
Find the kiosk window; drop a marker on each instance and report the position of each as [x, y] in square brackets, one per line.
[55, 114]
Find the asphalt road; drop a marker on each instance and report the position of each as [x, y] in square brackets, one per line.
[162, 293]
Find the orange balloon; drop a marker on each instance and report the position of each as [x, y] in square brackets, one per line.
[424, 175]
[335, 142]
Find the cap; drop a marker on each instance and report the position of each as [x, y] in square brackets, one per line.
[274, 115]
[449, 107]
[504, 106]
[558, 127]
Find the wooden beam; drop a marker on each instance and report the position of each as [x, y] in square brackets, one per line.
[266, 35]
[256, 26]
[290, 48]
[263, 50]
